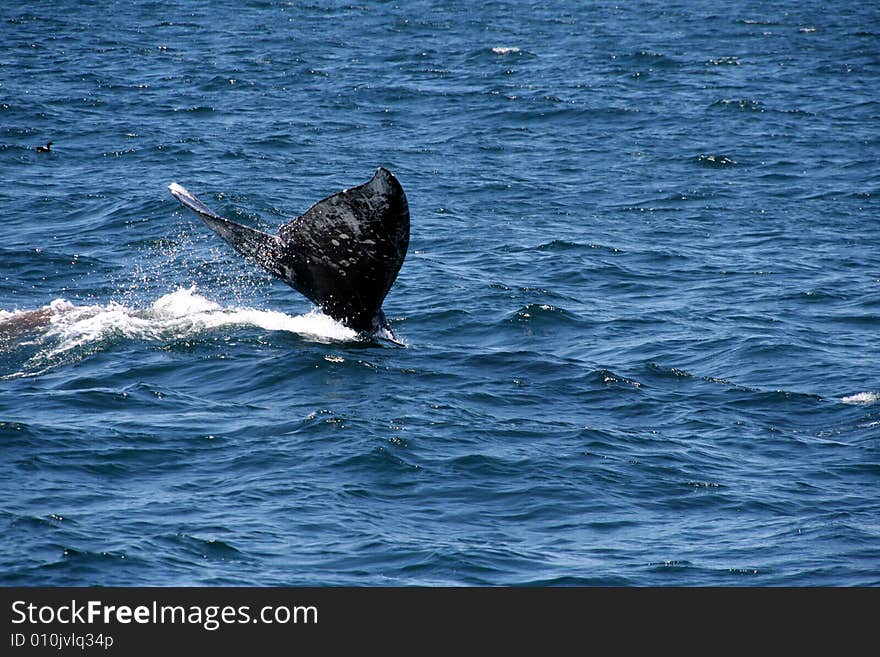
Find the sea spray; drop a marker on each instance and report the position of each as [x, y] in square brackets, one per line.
[75, 331]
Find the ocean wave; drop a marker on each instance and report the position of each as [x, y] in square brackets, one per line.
[538, 312]
[62, 327]
[746, 104]
[863, 398]
[180, 315]
[712, 160]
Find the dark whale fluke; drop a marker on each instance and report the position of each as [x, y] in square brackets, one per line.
[343, 253]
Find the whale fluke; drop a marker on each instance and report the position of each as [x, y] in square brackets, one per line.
[343, 253]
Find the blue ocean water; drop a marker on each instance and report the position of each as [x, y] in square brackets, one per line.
[640, 307]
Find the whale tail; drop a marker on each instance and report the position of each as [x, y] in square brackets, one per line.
[251, 243]
[343, 253]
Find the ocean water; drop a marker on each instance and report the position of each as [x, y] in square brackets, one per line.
[640, 307]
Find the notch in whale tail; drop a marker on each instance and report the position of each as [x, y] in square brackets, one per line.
[343, 253]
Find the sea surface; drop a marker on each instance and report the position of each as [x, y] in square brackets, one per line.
[640, 307]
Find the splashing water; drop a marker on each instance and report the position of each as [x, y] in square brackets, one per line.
[861, 398]
[62, 327]
[182, 314]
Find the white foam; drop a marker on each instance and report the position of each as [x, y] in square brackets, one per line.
[505, 50]
[861, 398]
[181, 303]
[60, 306]
[56, 306]
[178, 315]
